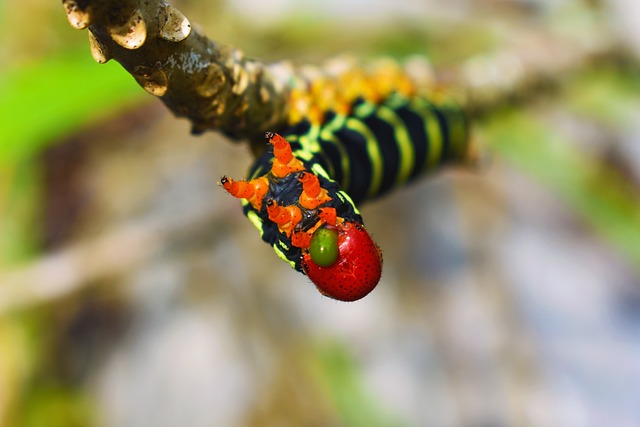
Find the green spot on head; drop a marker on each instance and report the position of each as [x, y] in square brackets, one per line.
[324, 247]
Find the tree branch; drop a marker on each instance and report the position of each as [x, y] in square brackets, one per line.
[217, 88]
[213, 85]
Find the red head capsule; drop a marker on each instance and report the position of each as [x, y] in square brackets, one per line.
[355, 272]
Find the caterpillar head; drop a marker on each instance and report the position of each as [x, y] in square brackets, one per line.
[343, 261]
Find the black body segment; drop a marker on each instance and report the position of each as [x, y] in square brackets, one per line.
[379, 147]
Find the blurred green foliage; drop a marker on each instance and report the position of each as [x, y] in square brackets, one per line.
[338, 373]
[56, 96]
[20, 207]
[595, 190]
[41, 103]
[56, 406]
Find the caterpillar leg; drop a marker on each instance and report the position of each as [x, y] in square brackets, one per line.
[312, 194]
[310, 223]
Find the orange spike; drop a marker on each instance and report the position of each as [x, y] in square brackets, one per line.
[329, 216]
[281, 148]
[312, 194]
[286, 217]
[277, 213]
[260, 189]
[280, 170]
[239, 189]
[254, 190]
[301, 239]
[284, 161]
[310, 184]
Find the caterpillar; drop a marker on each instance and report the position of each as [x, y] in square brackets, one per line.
[340, 151]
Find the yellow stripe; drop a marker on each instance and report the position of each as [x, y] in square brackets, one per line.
[404, 143]
[434, 134]
[435, 141]
[345, 198]
[308, 143]
[255, 219]
[319, 170]
[310, 146]
[364, 109]
[458, 132]
[328, 135]
[282, 255]
[373, 151]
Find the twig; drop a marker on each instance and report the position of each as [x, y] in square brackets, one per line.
[213, 85]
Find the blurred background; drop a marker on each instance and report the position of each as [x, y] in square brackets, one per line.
[134, 293]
